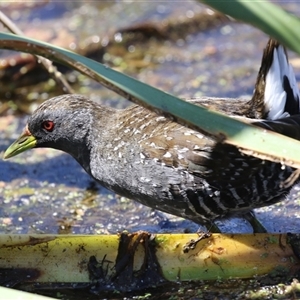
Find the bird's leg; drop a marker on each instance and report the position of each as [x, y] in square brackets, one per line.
[256, 225]
[213, 228]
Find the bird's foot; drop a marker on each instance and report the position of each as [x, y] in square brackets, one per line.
[191, 244]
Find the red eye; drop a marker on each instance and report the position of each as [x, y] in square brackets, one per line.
[48, 125]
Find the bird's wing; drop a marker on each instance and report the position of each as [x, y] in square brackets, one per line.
[204, 158]
[201, 156]
[289, 126]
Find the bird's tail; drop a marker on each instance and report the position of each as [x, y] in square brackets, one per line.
[276, 93]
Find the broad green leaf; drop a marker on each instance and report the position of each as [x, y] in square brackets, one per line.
[268, 17]
[248, 138]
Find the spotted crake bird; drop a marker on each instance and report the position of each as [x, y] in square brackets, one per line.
[146, 157]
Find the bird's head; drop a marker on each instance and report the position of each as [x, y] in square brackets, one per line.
[61, 123]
